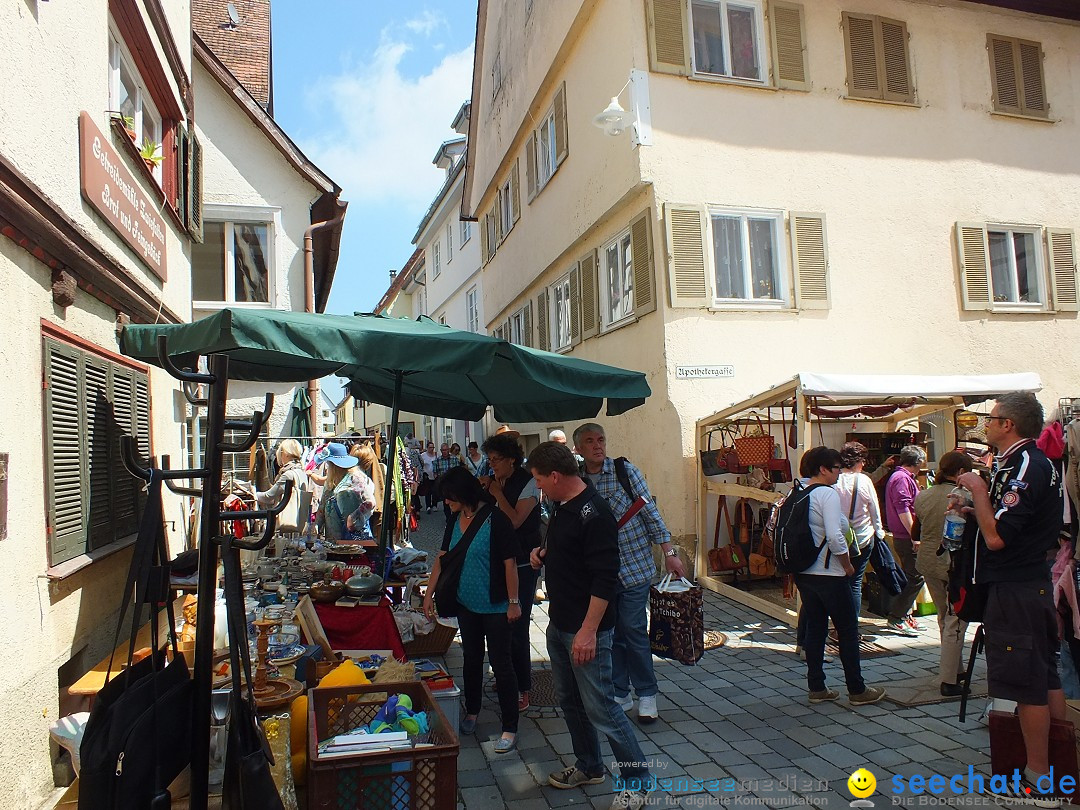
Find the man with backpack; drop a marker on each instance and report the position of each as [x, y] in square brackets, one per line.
[1019, 518]
[809, 542]
[620, 483]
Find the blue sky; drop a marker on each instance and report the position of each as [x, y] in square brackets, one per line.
[368, 90]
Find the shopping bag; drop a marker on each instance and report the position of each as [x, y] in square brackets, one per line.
[1007, 750]
[676, 621]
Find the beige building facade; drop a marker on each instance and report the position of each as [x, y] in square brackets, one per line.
[872, 186]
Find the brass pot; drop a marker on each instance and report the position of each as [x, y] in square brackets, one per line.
[326, 591]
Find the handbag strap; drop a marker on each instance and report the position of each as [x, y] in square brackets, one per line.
[722, 508]
[854, 497]
[239, 654]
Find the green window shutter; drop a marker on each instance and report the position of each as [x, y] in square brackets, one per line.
[974, 253]
[100, 427]
[562, 147]
[590, 309]
[641, 248]
[64, 457]
[688, 257]
[575, 305]
[1062, 245]
[124, 484]
[810, 258]
[789, 45]
[669, 40]
[543, 341]
[195, 188]
[183, 150]
[142, 432]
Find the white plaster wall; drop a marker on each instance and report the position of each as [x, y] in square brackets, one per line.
[56, 65]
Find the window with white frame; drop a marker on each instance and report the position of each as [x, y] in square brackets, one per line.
[1016, 270]
[435, 268]
[546, 151]
[617, 281]
[234, 263]
[728, 38]
[747, 257]
[472, 310]
[128, 96]
[506, 206]
[559, 314]
[449, 242]
[466, 231]
[520, 328]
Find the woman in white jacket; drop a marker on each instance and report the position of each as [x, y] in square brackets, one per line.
[289, 454]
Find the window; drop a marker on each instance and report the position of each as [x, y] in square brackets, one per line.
[449, 242]
[561, 309]
[472, 310]
[1014, 266]
[617, 281]
[507, 212]
[1016, 73]
[236, 465]
[747, 256]
[435, 268]
[466, 231]
[546, 148]
[519, 329]
[233, 264]
[90, 401]
[877, 58]
[728, 38]
[129, 97]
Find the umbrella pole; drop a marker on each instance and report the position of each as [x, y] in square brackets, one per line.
[391, 454]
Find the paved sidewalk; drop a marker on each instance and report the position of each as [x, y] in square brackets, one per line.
[740, 714]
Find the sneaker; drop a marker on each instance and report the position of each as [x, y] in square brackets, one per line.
[626, 702]
[871, 694]
[571, 778]
[646, 709]
[823, 696]
[630, 798]
[900, 627]
[1027, 796]
[539, 596]
[910, 621]
[523, 701]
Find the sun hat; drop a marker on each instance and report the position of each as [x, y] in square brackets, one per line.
[336, 453]
[506, 430]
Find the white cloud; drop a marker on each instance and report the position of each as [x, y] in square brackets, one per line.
[380, 128]
[427, 23]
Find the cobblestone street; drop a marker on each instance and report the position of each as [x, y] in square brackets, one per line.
[740, 713]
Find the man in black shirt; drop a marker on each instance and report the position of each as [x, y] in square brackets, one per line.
[1020, 517]
[581, 554]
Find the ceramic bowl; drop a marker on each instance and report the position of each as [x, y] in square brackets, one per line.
[280, 643]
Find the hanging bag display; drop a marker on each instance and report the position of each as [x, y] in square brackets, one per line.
[676, 621]
[713, 462]
[137, 739]
[729, 557]
[755, 450]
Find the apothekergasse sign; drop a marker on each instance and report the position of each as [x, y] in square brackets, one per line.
[704, 372]
[113, 192]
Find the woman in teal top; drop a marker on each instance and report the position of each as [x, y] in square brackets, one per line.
[475, 579]
[348, 496]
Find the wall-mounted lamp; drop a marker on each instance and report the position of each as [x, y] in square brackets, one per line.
[614, 120]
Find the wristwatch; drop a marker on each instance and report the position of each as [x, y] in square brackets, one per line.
[671, 552]
[515, 601]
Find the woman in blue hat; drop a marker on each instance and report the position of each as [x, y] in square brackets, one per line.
[348, 496]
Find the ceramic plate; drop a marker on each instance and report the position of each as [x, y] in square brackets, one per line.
[292, 654]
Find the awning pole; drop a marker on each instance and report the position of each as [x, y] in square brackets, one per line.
[391, 457]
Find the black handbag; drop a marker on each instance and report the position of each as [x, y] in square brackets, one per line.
[138, 737]
[713, 462]
[452, 562]
[248, 783]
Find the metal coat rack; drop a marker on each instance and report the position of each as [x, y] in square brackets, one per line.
[217, 381]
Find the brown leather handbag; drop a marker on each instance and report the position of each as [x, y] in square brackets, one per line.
[729, 557]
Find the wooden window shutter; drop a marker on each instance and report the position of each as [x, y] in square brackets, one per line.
[65, 459]
[864, 78]
[515, 191]
[562, 147]
[182, 151]
[485, 248]
[575, 306]
[106, 471]
[1016, 76]
[974, 254]
[810, 258]
[688, 265]
[1003, 74]
[125, 486]
[895, 62]
[789, 46]
[1033, 100]
[497, 213]
[530, 168]
[195, 188]
[542, 340]
[641, 248]
[1062, 246]
[590, 309]
[142, 431]
[669, 40]
[527, 325]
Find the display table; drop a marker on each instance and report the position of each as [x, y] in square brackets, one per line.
[362, 627]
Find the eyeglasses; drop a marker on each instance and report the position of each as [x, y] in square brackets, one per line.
[998, 418]
[835, 467]
[494, 459]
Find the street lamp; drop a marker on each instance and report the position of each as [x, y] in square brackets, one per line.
[614, 120]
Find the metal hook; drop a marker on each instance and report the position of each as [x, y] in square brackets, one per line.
[180, 374]
[255, 427]
[179, 490]
[131, 464]
[192, 397]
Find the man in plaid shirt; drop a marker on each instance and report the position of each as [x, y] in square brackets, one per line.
[631, 655]
[444, 463]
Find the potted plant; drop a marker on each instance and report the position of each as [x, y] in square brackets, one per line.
[150, 154]
[128, 123]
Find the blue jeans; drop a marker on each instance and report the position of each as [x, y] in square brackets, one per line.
[825, 597]
[859, 564]
[588, 703]
[631, 654]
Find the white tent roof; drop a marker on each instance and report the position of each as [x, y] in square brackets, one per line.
[915, 385]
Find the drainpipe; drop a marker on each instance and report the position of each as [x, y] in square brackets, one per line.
[309, 306]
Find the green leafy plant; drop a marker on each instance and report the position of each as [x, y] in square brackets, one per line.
[127, 122]
[150, 152]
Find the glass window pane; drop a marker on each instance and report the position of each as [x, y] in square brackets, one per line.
[728, 249]
[129, 95]
[614, 283]
[763, 273]
[1027, 282]
[744, 58]
[999, 266]
[708, 37]
[250, 254]
[208, 264]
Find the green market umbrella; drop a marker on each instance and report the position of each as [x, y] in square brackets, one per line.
[300, 414]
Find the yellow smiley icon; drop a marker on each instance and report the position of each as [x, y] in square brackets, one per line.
[862, 783]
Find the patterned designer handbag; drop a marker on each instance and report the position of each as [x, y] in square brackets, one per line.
[755, 451]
